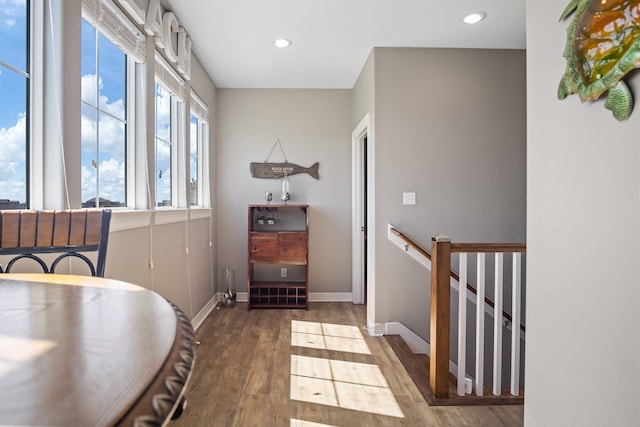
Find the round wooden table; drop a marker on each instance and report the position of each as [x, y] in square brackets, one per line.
[88, 351]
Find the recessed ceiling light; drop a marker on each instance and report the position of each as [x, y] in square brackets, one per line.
[474, 18]
[282, 43]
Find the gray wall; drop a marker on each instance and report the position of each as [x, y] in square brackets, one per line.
[583, 228]
[363, 92]
[187, 279]
[313, 126]
[450, 126]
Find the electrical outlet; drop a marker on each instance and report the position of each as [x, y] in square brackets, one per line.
[283, 272]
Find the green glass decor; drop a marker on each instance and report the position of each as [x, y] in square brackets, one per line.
[602, 47]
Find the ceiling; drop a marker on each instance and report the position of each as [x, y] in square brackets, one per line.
[332, 38]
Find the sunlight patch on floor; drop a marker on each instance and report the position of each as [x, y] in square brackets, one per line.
[302, 423]
[338, 370]
[327, 336]
[349, 385]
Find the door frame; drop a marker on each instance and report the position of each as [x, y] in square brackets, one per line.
[362, 130]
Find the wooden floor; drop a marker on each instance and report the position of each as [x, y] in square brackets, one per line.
[314, 368]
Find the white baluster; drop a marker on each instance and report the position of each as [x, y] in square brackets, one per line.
[497, 325]
[462, 324]
[515, 325]
[481, 260]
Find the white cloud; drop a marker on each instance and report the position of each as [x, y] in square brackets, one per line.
[163, 124]
[163, 106]
[88, 85]
[12, 140]
[193, 139]
[10, 10]
[163, 151]
[12, 161]
[112, 181]
[88, 183]
[111, 136]
[116, 108]
[12, 3]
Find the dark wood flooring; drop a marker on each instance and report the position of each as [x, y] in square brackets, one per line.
[314, 368]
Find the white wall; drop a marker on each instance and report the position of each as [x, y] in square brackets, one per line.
[583, 346]
[313, 126]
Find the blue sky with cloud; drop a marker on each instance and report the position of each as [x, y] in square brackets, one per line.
[13, 87]
[103, 83]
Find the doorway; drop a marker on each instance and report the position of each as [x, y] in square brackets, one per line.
[363, 228]
[362, 255]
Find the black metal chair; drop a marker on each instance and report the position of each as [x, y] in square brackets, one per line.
[28, 234]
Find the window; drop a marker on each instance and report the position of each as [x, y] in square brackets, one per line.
[169, 134]
[111, 46]
[104, 120]
[194, 151]
[164, 141]
[14, 108]
[197, 137]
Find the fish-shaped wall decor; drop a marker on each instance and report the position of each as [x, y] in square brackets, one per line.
[279, 170]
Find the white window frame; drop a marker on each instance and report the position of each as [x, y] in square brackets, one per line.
[130, 153]
[115, 25]
[177, 144]
[36, 109]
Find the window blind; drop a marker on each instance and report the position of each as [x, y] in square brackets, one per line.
[112, 22]
[198, 107]
[169, 78]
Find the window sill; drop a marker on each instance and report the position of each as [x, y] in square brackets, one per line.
[122, 220]
[199, 213]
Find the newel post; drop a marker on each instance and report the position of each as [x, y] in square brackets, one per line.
[440, 312]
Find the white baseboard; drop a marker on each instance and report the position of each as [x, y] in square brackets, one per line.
[313, 297]
[415, 342]
[377, 329]
[208, 308]
[330, 297]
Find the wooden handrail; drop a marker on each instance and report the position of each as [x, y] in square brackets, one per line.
[411, 243]
[488, 247]
[470, 248]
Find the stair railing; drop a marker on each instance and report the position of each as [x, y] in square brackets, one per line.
[442, 280]
[441, 250]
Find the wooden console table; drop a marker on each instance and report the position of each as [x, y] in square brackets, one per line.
[88, 351]
[278, 242]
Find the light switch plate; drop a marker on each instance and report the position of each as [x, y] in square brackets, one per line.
[409, 198]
